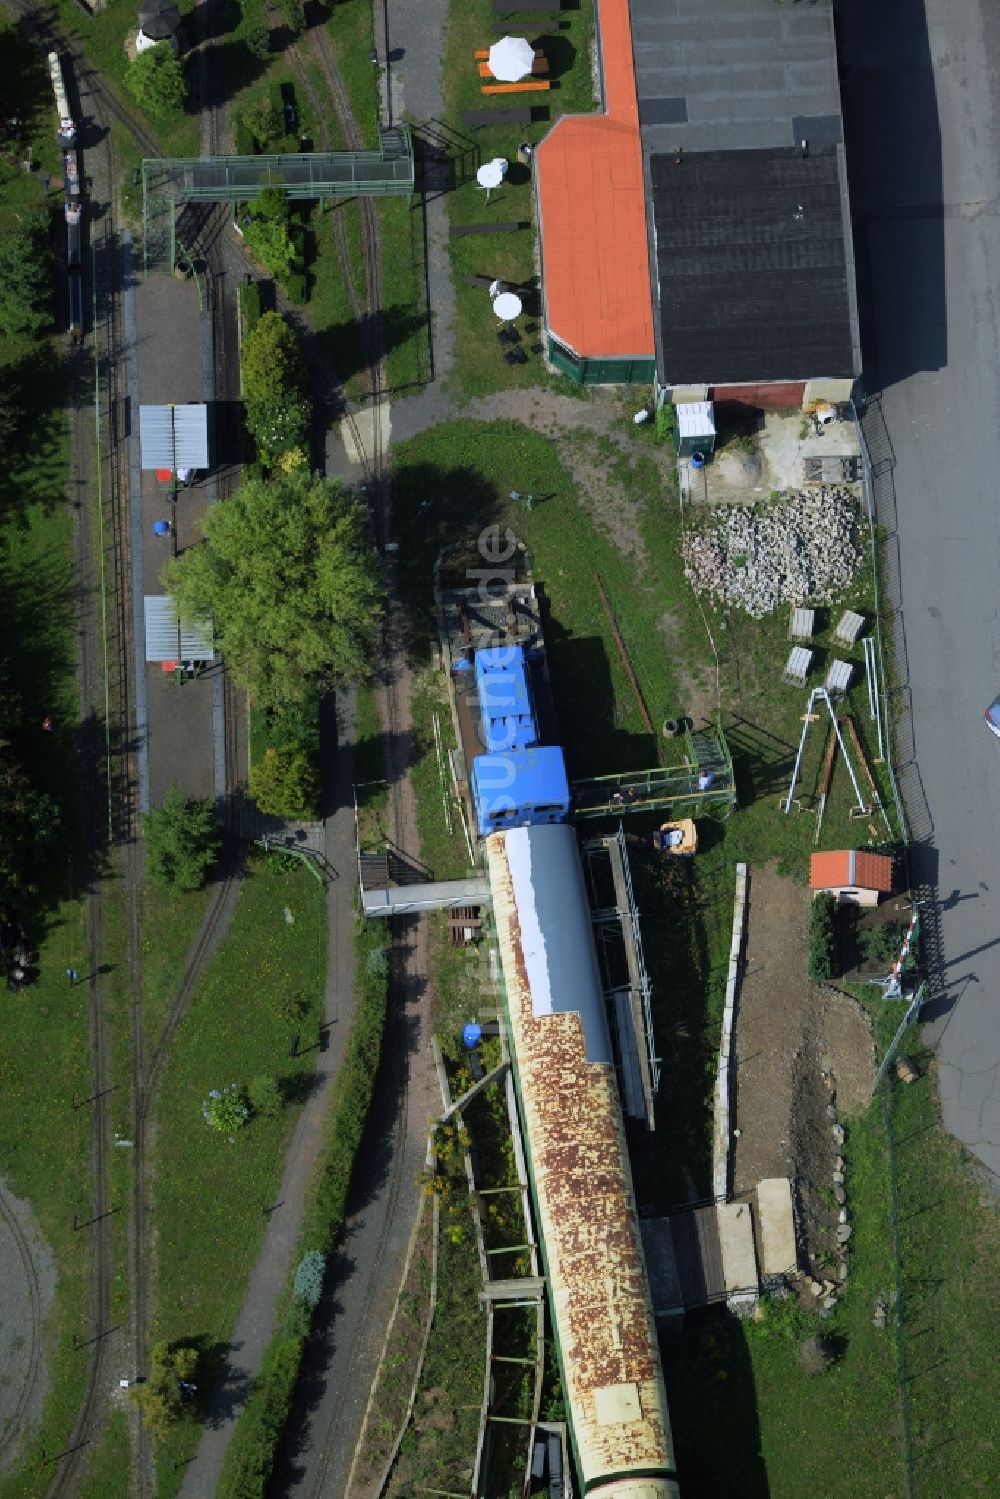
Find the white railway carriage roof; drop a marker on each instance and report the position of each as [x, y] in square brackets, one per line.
[556, 938]
[579, 1165]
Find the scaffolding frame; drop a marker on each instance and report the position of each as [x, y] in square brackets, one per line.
[808, 718]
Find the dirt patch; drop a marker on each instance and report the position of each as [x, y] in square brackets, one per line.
[804, 1057]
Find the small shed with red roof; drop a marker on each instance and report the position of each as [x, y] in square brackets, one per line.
[853, 875]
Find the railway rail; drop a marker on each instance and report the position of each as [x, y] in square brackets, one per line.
[16, 1232]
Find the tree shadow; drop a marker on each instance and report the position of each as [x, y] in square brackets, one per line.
[713, 1407]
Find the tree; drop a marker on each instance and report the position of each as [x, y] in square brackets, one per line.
[156, 81]
[290, 581]
[285, 783]
[278, 409]
[161, 1396]
[25, 274]
[182, 841]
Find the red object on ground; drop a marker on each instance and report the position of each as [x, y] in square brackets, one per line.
[47, 725]
[168, 665]
[593, 213]
[164, 475]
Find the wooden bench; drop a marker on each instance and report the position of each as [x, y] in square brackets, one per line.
[476, 117]
[514, 88]
[506, 227]
[797, 666]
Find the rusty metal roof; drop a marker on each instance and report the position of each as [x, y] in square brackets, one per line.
[583, 1186]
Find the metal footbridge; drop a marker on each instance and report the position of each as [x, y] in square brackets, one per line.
[700, 785]
[305, 175]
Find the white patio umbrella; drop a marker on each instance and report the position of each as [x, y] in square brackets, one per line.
[507, 306]
[511, 58]
[490, 175]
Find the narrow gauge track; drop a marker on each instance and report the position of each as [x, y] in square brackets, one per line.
[35, 1348]
[105, 106]
[373, 459]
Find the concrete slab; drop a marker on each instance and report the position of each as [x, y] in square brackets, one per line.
[362, 429]
[786, 438]
[739, 1258]
[181, 747]
[775, 1226]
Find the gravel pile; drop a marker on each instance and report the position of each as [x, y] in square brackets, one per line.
[805, 549]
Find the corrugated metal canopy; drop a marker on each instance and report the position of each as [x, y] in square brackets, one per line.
[174, 436]
[169, 639]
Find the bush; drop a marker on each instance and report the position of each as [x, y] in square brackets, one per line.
[285, 783]
[182, 841]
[666, 422]
[308, 1285]
[156, 81]
[882, 944]
[822, 938]
[264, 1097]
[816, 1355]
[278, 410]
[249, 1458]
[226, 1110]
[294, 12]
[258, 41]
[250, 308]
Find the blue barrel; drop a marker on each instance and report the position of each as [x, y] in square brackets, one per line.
[471, 1035]
[697, 460]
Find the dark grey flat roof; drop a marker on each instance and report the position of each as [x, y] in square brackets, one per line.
[716, 75]
[750, 259]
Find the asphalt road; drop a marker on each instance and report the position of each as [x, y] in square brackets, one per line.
[921, 96]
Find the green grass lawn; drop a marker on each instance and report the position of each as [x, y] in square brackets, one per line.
[170, 922]
[107, 1470]
[511, 256]
[211, 1198]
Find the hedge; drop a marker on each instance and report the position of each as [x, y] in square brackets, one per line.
[822, 938]
[249, 1461]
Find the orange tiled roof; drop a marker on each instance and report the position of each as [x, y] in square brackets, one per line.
[593, 217]
[850, 867]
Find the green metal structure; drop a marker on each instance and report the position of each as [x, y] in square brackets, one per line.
[307, 175]
[609, 371]
[678, 789]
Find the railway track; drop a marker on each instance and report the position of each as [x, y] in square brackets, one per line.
[10, 1431]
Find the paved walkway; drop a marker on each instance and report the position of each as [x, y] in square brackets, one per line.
[256, 1322]
[414, 30]
[922, 89]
